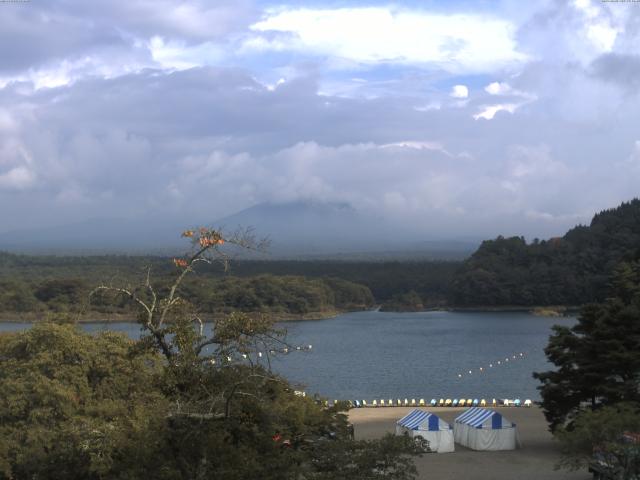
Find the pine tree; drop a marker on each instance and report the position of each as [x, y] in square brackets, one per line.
[598, 359]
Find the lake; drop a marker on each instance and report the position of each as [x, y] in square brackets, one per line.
[367, 355]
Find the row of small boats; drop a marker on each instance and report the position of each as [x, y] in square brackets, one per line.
[442, 402]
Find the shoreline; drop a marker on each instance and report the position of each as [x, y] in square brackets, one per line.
[99, 317]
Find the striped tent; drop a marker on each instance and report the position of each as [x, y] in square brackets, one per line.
[423, 425]
[484, 429]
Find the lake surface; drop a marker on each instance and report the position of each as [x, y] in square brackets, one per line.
[367, 355]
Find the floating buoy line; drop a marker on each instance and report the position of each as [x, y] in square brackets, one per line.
[498, 363]
[259, 354]
[470, 402]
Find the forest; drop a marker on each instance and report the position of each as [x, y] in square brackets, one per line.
[43, 285]
[569, 270]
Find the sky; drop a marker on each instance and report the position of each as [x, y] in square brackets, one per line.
[463, 117]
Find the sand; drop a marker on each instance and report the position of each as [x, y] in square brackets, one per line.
[535, 460]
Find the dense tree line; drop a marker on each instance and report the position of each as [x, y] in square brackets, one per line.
[571, 270]
[263, 293]
[49, 283]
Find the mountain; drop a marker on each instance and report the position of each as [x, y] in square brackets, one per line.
[296, 230]
[569, 270]
[337, 230]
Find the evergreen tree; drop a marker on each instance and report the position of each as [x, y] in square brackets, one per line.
[598, 359]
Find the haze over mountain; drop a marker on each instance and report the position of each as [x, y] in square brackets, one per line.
[294, 229]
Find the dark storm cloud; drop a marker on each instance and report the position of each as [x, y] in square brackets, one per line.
[31, 35]
[621, 69]
[37, 33]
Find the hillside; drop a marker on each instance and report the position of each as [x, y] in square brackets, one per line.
[569, 270]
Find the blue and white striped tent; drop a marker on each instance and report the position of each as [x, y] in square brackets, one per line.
[485, 429]
[420, 423]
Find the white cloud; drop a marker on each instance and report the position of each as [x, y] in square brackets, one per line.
[598, 28]
[418, 145]
[17, 178]
[459, 91]
[177, 55]
[489, 111]
[68, 71]
[369, 35]
[498, 88]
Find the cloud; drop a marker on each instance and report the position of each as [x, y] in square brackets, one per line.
[487, 112]
[142, 117]
[498, 88]
[178, 55]
[598, 28]
[18, 178]
[622, 69]
[459, 91]
[56, 43]
[367, 35]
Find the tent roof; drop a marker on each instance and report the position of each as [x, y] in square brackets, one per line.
[476, 417]
[414, 419]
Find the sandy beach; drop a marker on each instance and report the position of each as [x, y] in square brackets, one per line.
[535, 460]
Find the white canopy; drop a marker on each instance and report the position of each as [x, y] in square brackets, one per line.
[484, 429]
[422, 424]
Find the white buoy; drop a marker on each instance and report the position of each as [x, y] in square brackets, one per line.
[260, 354]
[310, 347]
[421, 402]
